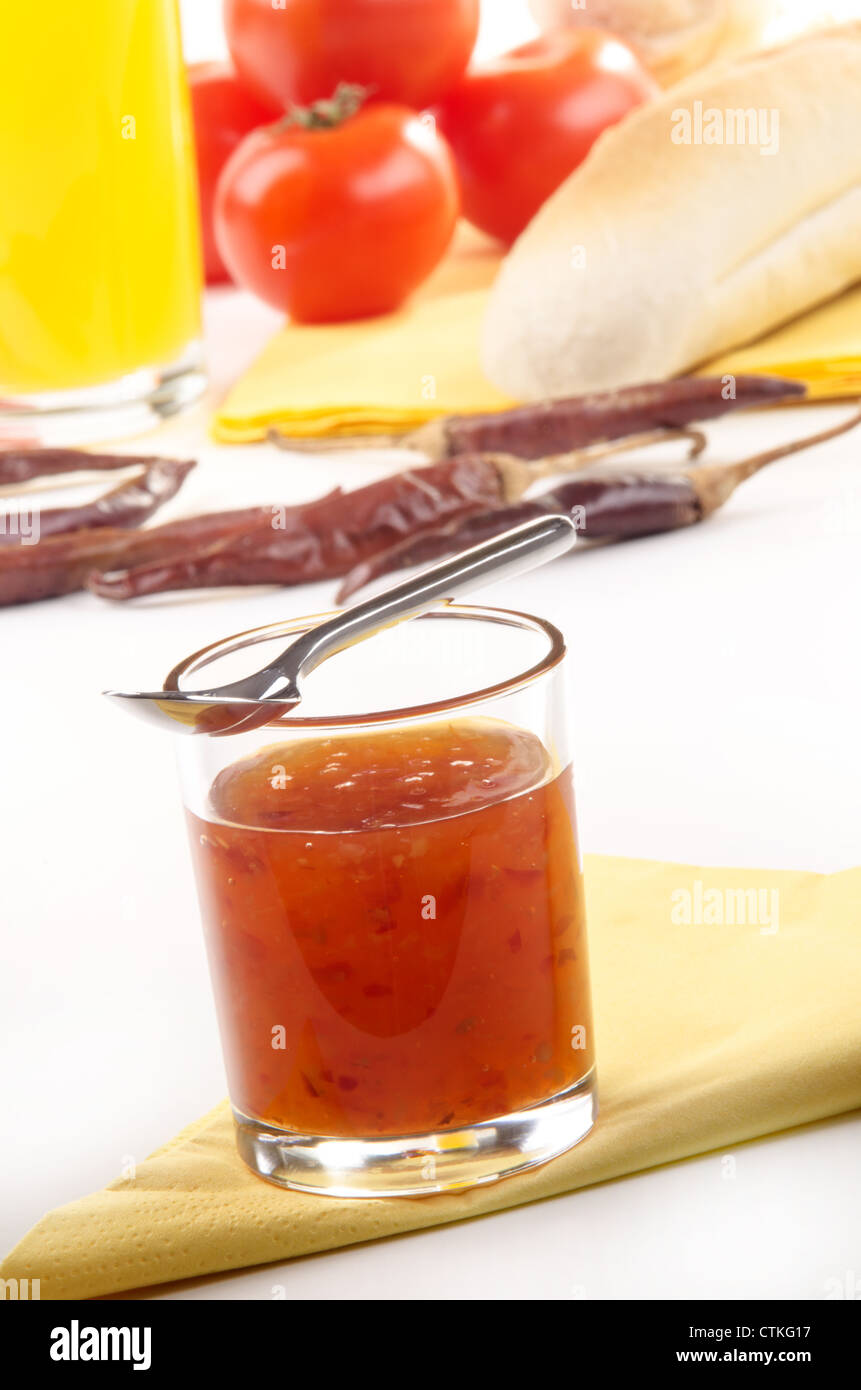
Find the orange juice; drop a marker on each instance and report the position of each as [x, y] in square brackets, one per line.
[99, 245]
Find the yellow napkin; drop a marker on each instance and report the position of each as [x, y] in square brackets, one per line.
[375, 376]
[393, 373]
[708, 1033]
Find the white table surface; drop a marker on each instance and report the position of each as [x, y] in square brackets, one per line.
[714, 712]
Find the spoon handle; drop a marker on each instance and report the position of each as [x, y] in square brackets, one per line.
[504, 557]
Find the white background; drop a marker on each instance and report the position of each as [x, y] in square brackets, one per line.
[714, 711]
[504, 24]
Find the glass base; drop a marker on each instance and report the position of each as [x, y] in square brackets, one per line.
[418, 1165]
[128, 405]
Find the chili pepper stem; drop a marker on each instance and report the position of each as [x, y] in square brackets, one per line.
[515, 476]
[594, 453]
[337, 443]
[715, 482]
[429, 439]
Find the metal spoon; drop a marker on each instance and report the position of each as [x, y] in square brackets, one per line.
[271, 692]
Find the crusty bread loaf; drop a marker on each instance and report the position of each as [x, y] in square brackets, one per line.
[656, 255]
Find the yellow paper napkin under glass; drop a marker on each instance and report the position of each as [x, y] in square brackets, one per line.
[707, 1034]
[393, 373]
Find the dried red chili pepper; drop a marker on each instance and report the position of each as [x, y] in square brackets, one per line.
[326, 538]
[579, 422]
[61, 565]
[128, 505]
[621, 505]
[23, 465]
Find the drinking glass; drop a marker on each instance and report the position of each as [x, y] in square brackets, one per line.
[392, 900]
[100, 270]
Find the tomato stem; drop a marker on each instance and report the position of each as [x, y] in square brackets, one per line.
[347, 99]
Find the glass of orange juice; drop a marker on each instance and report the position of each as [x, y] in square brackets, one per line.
[100, 272]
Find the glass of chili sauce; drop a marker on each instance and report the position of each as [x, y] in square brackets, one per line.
[393, 909]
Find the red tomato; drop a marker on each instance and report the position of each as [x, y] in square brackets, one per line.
[338, 223]
[409, 51]
[224, 112]
[520, 124]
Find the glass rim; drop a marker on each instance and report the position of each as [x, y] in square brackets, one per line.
[507, 617]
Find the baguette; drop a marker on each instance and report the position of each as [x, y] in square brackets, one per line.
[657, 254]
